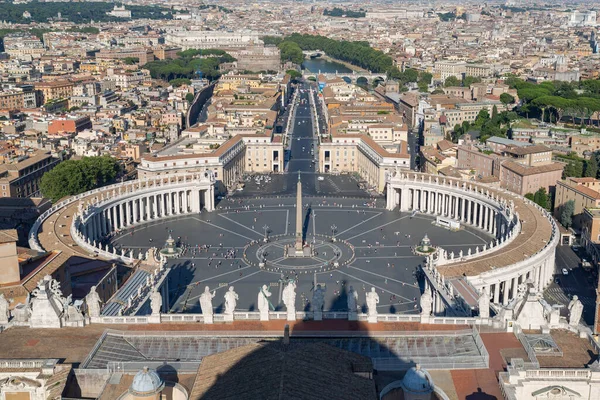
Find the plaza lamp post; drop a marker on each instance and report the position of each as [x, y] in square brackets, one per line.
[266, 229]
[333, 231]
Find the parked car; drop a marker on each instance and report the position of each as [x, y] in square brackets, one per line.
[565, 272]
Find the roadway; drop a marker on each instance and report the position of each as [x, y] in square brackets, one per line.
[303, 150]
[578, 282]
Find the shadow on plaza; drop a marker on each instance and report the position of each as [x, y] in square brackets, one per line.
[180, 278]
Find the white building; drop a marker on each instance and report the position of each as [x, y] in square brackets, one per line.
[527, 383]
[120, 12]
[211, 39]
[587, 18]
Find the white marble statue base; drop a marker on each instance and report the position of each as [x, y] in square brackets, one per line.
[154, 319]
[318, 316]
[264, 316]
[228, 317]
[372, 319]
[291, 315]
[352, 316]
[208, 319]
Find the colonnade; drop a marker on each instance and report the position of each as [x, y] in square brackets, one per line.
[505, 287]
[487, 210]
[454, 205]
[132, 209]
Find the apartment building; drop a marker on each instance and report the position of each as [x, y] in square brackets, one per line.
[54, 90]
[127, 79]
[585, 144]
[143, 54]
[585, 193]
[445, 69]
[479, 70]
[164, 52]
[21, 177]
[468, 111]
[228, 162]
[18, 98]
[522, 179]
[519, 168]
[69, 125]
[211, 39]
[345, 153]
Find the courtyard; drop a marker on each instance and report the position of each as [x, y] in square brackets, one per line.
[356, 243]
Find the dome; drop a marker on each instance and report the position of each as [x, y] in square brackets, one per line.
[417, 380]
[146, 382]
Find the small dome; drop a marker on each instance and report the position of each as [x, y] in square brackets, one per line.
[417, 380]
[146, 382]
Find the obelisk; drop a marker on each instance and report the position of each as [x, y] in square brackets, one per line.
[299, 224]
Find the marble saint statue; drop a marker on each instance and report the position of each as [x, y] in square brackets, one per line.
[206, 301]
[318, 300]
[156, 302]
[289, 296]
[231, 299]
[263, 300]
[372, 301]
[93, 302]
[426, 302]
[575, 310]
[4, 313]
[484, 303]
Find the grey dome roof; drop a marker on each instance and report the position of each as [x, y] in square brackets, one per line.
[417, 380]
[145, 382]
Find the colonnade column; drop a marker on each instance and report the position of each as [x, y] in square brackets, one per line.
[430, 203]
[469, 203]
[505, 294]
[497, 292]
[485, 217]
[456, 208]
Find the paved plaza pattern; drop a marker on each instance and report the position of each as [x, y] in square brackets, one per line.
[222, 249]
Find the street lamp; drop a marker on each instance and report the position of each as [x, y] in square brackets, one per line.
[266, 229]
[333, 232]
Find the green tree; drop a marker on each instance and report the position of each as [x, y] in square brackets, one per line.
[189, 97]
[566, 213]
[494, 112]
[506, 99]
[290, 51]
[72, 177]
[591, 167]
[451, 81]
[179, 82]
[131, 60]
[541, 198]
[293, 74]
[469, 80]
[529, 196]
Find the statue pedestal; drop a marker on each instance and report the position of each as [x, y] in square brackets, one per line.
[228, 317]
[264, 316]
[208, 318]
[372, 318]
[154, 319]
[318, 316]
[291, 315]
[352, 316]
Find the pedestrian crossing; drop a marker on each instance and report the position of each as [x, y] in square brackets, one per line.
[563, 296]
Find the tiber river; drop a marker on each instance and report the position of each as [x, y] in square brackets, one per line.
[319, 64]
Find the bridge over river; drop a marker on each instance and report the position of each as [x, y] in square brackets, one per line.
[350, 77]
